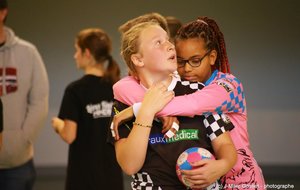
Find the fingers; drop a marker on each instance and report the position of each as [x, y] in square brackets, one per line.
[172, 131]
[165, 129]
[198, 168]
[167, 123]
[120, 118]
[160, 86]
[114, 128]
[196, 180]
[162, 89]
[200, 176]
[56, 122]
[157, 97]
[169, 95]
[164, 93]
[53, 121]
[113, 134]
[170, 125]
[200, 163]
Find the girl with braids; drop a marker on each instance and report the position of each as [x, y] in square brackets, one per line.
[83, 120]
[201, 57]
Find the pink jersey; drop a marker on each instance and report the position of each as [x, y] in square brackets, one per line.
[223, 93]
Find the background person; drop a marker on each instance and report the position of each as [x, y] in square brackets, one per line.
[173, 25]
[83, 120]
[24, 91]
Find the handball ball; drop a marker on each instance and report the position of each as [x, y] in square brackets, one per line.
[187, 157]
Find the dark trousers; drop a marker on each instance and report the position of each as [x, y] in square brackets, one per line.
[18, 178]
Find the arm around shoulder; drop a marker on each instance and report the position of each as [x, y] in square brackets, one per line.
[225, 152]
[208, 171]
[125, 85]
[131, 151]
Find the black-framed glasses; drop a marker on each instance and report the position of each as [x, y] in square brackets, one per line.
[193, 61]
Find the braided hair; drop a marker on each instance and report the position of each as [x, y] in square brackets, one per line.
[207, 29]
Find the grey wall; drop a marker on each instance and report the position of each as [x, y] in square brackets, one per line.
[263, 44]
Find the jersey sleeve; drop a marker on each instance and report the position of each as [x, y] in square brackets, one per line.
[70, 106]
[201, 102]
[222, 96]
[217, 124]
[125, 85]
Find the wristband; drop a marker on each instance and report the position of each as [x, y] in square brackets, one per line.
[142, 125]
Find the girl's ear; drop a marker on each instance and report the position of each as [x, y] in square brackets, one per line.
[213, 57]
[3, 14]
[137, 60]
[87, 53]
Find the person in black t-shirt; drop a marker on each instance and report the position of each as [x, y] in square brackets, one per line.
[84, 116]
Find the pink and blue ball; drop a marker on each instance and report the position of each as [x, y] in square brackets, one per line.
[192, 155]
[189, 156]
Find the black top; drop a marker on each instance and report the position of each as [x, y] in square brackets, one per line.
[92, 163]
[159, 169]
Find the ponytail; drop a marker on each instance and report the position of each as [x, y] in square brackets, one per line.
[112, 72]
[99, 45]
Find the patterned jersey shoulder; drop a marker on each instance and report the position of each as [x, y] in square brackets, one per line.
[235, 101]
[228, 81]
[187, 87]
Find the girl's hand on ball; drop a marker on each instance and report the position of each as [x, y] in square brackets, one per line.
[205, 173]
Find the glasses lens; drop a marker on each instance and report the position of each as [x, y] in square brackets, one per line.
[195, 62]
[180, 63]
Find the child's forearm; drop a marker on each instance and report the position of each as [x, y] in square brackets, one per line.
[226, 154]
[198, 103]
[125, 85]
[131, 152]
[66, 129]
[207, 100]
[211, 99]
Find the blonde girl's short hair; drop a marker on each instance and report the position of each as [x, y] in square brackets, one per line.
[130, 43]
[145, 18]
